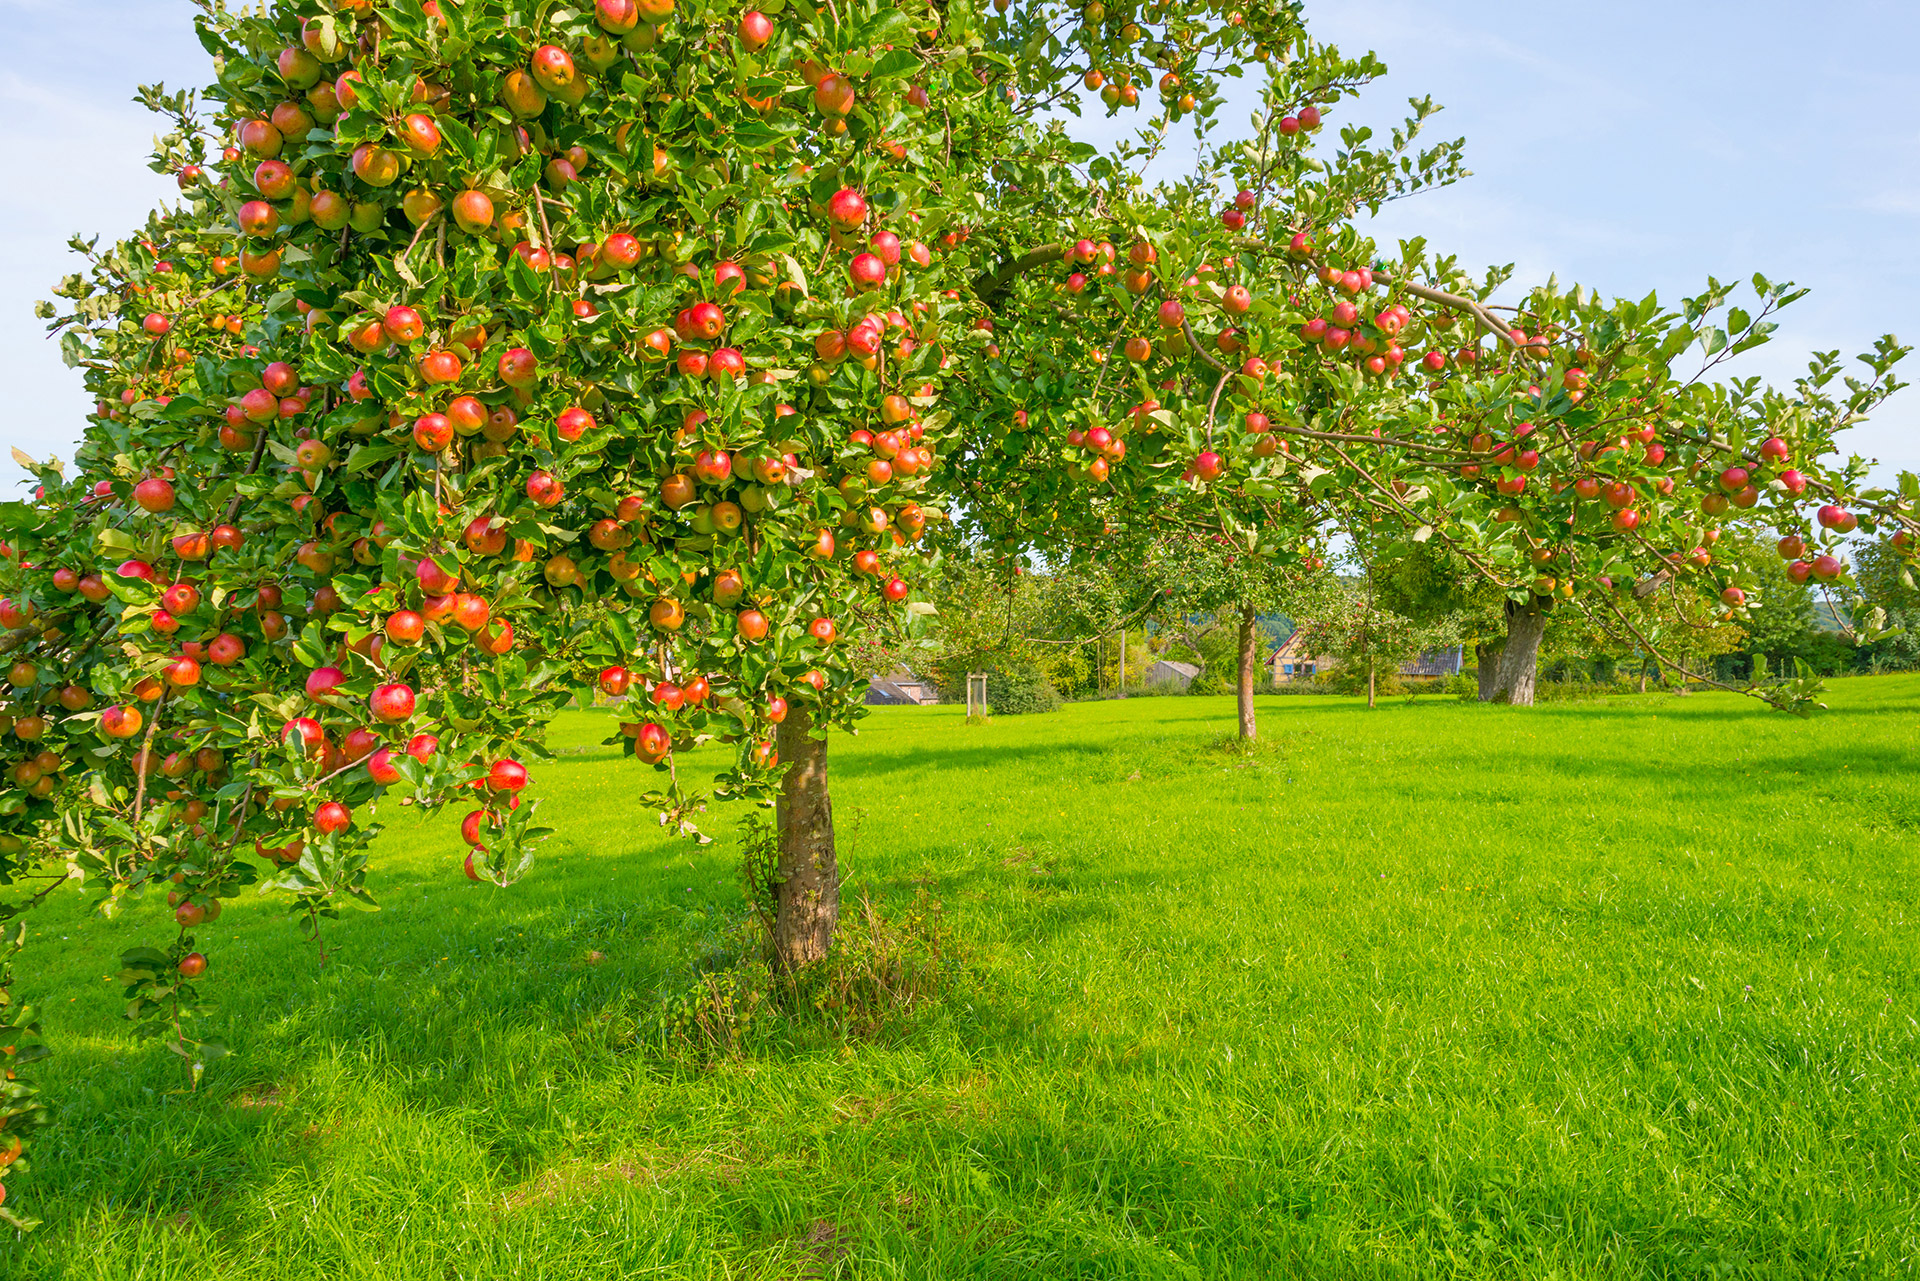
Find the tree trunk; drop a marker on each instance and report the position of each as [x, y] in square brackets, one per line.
[809, 875]
[1487, 660]
[1519, 657]
[1369, 680]
[1249, 730]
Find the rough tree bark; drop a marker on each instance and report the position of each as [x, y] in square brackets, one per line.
[808, 903]
[1249, 659]
[1519, 657]
[1487, 660]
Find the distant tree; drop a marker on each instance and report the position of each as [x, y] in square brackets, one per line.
[1885, 582]
[1780, 624]
[996, 613]
[1429, 583]
[1350, 619]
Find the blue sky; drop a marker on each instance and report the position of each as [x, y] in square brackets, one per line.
[1631, 146]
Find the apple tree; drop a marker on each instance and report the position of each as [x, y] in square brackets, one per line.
[1230, 351]
[496, 349]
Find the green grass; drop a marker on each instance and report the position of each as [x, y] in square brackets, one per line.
[1619, 989]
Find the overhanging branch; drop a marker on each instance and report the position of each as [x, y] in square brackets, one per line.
[989, 285]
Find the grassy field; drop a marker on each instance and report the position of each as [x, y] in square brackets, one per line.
[1621, 989]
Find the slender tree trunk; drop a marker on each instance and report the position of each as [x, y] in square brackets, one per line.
[809, 891]
[1369, 680]
[1123, 662]
[1520, 656]
[1249, 730]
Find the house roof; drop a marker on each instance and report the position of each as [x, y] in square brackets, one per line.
[1184, 669]
[1292, 648]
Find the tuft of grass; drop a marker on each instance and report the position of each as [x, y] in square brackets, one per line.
[1606, 990]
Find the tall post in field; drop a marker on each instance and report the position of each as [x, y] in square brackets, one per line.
[808, 904]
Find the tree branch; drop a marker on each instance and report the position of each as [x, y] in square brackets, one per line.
[989, 285]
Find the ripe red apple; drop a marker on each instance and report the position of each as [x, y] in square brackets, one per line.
[192, 965]
[440, 367]
[652, 743]
[405, 627]
[834, 95]
[420, 133]
[181, 598]
[755, 29]
[381, 767]
[847, 209]
[332, 817]
[312, 738]
[616, 16]
[404, 325]
[706, 320]
[432, 433]
[322, 681]
[470, 612]
[154, 494]
[553, 68]
[375, 166]
[435, 579]
[867, 271]
[518, 367]
[506, 776]
[392, 702]
[473, 211]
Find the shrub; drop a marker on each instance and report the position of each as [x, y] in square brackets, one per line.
[1212, 681]
[1351, 678]
[1018, 688]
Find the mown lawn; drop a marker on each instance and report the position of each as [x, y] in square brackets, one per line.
[1619, 989]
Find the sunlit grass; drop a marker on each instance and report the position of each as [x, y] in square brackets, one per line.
[1595, 990]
